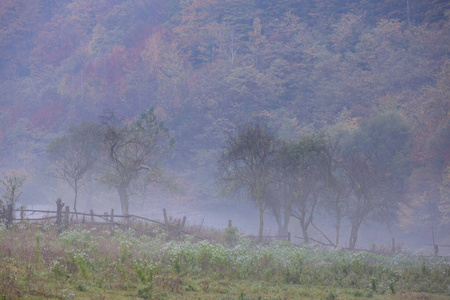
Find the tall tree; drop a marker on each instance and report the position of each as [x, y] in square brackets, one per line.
[301, 163]
[368, 182]
[246, 162]
[336, 191]
[74, 154]
[376, 167]
[134, 151]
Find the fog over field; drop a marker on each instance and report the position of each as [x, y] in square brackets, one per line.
[328, 120]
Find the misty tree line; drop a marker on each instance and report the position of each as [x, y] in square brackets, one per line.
[357, 175]
[206, 65]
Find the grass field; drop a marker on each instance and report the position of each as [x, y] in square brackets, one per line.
[80, 263]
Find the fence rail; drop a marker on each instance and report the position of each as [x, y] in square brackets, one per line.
[64, 218]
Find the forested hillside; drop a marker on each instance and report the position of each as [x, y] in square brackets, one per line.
[206, 66]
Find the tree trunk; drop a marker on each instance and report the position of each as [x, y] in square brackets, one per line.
[281, 230]
[305, 234]
[353, 236]
[304, 228]
[338, 226]
[261, 220]
[283, 222]
[277, 215]
[123, 198]
[75, 189]
[287, 217]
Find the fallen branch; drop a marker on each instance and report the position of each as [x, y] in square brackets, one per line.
[319, 242]
[323, 234]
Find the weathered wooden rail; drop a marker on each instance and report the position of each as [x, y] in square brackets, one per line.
[64, 217]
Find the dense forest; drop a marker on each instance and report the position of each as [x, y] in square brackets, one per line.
[203, 67]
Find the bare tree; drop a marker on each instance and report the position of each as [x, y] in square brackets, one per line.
[11, 192]
[74, 154]
[12, 188]
[134, 150]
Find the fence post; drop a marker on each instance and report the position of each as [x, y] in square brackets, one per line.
[201, 226]
[182, 224]
[92, 215]
[230, 224]
[166, 222]
[66, 217]
[59, 206]
[436, 250]
[111, 227]
[289, 236]
[106, 217]
[22, 213]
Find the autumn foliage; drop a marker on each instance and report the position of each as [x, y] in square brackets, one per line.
[207, 65]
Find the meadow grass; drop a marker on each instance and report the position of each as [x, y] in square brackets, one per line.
[93, 263]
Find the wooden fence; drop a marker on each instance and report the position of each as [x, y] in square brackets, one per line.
[63, 217]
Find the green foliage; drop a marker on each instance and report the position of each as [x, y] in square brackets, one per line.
[331, 296]
[144, 271]
[230, 235]
[37, 250]
[77, 238]
[58, 270]
[392, 288]
[160, 268]
[81, 259]
[81, 286]
[146, 291]
[293, 273]
[387, 136]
